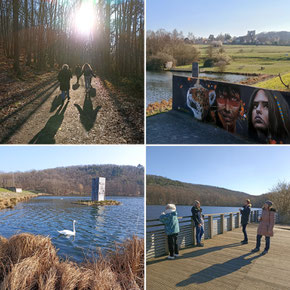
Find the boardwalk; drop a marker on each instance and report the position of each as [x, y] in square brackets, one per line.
[226, 264]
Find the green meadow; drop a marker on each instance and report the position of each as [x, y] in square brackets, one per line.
[262, 59]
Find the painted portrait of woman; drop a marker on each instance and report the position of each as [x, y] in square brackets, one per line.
[268, 117]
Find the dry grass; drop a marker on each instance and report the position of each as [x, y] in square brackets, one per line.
[31, 262]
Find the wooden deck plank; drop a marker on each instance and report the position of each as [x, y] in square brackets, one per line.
[225, 264]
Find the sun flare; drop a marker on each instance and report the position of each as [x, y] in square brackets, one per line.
[85, 19]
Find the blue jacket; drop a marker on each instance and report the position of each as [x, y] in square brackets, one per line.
[170, 222]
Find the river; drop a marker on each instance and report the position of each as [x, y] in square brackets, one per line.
[159, 84]
[96, 227]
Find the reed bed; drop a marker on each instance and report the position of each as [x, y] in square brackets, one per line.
[31, 262]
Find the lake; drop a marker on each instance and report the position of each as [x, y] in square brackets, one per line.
[159, 84]
[96, 227]
[154, 211]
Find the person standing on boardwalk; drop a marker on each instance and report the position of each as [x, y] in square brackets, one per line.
[245, 212]
[170, 221]
[78, 72]
[266, 226]
[88, 74]
[64, 77]
[198, 222]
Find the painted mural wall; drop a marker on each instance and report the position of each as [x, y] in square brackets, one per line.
[259, 114]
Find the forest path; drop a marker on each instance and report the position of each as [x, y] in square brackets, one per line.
[106, 118]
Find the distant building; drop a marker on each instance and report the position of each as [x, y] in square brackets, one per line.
[15, 189]
[98, 188]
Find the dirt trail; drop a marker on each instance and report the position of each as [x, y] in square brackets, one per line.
[107, 118]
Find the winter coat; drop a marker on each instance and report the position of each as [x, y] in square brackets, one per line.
[196, 215]
[64, 77]
[245, 212]
[78, 71]
[170, 221]
[267, 223]
[88, 73]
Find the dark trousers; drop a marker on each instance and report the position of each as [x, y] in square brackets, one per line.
[172, 244]
[245, 232]
[259, 237]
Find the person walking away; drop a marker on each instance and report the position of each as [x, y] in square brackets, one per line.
[198, 222]
[64, 77]
[245, 212]
[78, 72]
[170, 221]
[266, 226]
[88, 74]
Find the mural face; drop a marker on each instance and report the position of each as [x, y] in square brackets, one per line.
[199, 100]
[228, 108]
[259, 114]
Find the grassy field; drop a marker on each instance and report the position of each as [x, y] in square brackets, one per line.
[251, 59]
[275, 83]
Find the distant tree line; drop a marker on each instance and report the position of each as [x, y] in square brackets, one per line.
[120, 180]
[163, 46]
[160, 190]
[40, 33]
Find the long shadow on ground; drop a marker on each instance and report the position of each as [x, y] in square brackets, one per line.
[57, 101]
[88, 114]
[196, 253]
[47, 134]
[218, 270]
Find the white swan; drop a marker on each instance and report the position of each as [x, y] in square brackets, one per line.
[68, 232]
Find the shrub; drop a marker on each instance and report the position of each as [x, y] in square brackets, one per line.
[158, 61]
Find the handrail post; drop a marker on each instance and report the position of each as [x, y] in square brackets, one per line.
[251, 217]
[231, 221]
[239, 219]
[193, 232]
[210, 224]
[222, 223]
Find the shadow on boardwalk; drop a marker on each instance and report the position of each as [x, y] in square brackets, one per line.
[218, 270]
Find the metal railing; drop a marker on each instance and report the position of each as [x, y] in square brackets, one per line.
[214, 224]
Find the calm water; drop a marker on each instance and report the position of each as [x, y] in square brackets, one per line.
[159, 84]
[154, 211]
[96, 227]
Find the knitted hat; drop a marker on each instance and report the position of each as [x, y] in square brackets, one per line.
[269, 203]
[171, 206]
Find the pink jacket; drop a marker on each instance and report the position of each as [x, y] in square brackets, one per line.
[266, 223]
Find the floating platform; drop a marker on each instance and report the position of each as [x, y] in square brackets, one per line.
[98, 203]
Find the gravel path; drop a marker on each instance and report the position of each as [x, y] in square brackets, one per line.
[109, 118]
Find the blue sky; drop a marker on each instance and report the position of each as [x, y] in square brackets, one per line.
[251, 169]
[206, 17]
[25, 158]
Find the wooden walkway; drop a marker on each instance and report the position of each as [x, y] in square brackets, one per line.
[226, 264]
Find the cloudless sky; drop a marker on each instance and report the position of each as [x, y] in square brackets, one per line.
[25, 158]
[205, 17]
[251, 169]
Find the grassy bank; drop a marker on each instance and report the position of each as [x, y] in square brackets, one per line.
[275, 83]
[251, 59]
[31, 262]
[8, 199]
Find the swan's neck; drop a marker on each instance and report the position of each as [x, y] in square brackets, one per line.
[74, 229]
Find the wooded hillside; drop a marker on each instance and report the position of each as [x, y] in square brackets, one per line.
[120, 180]
[162, 190]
